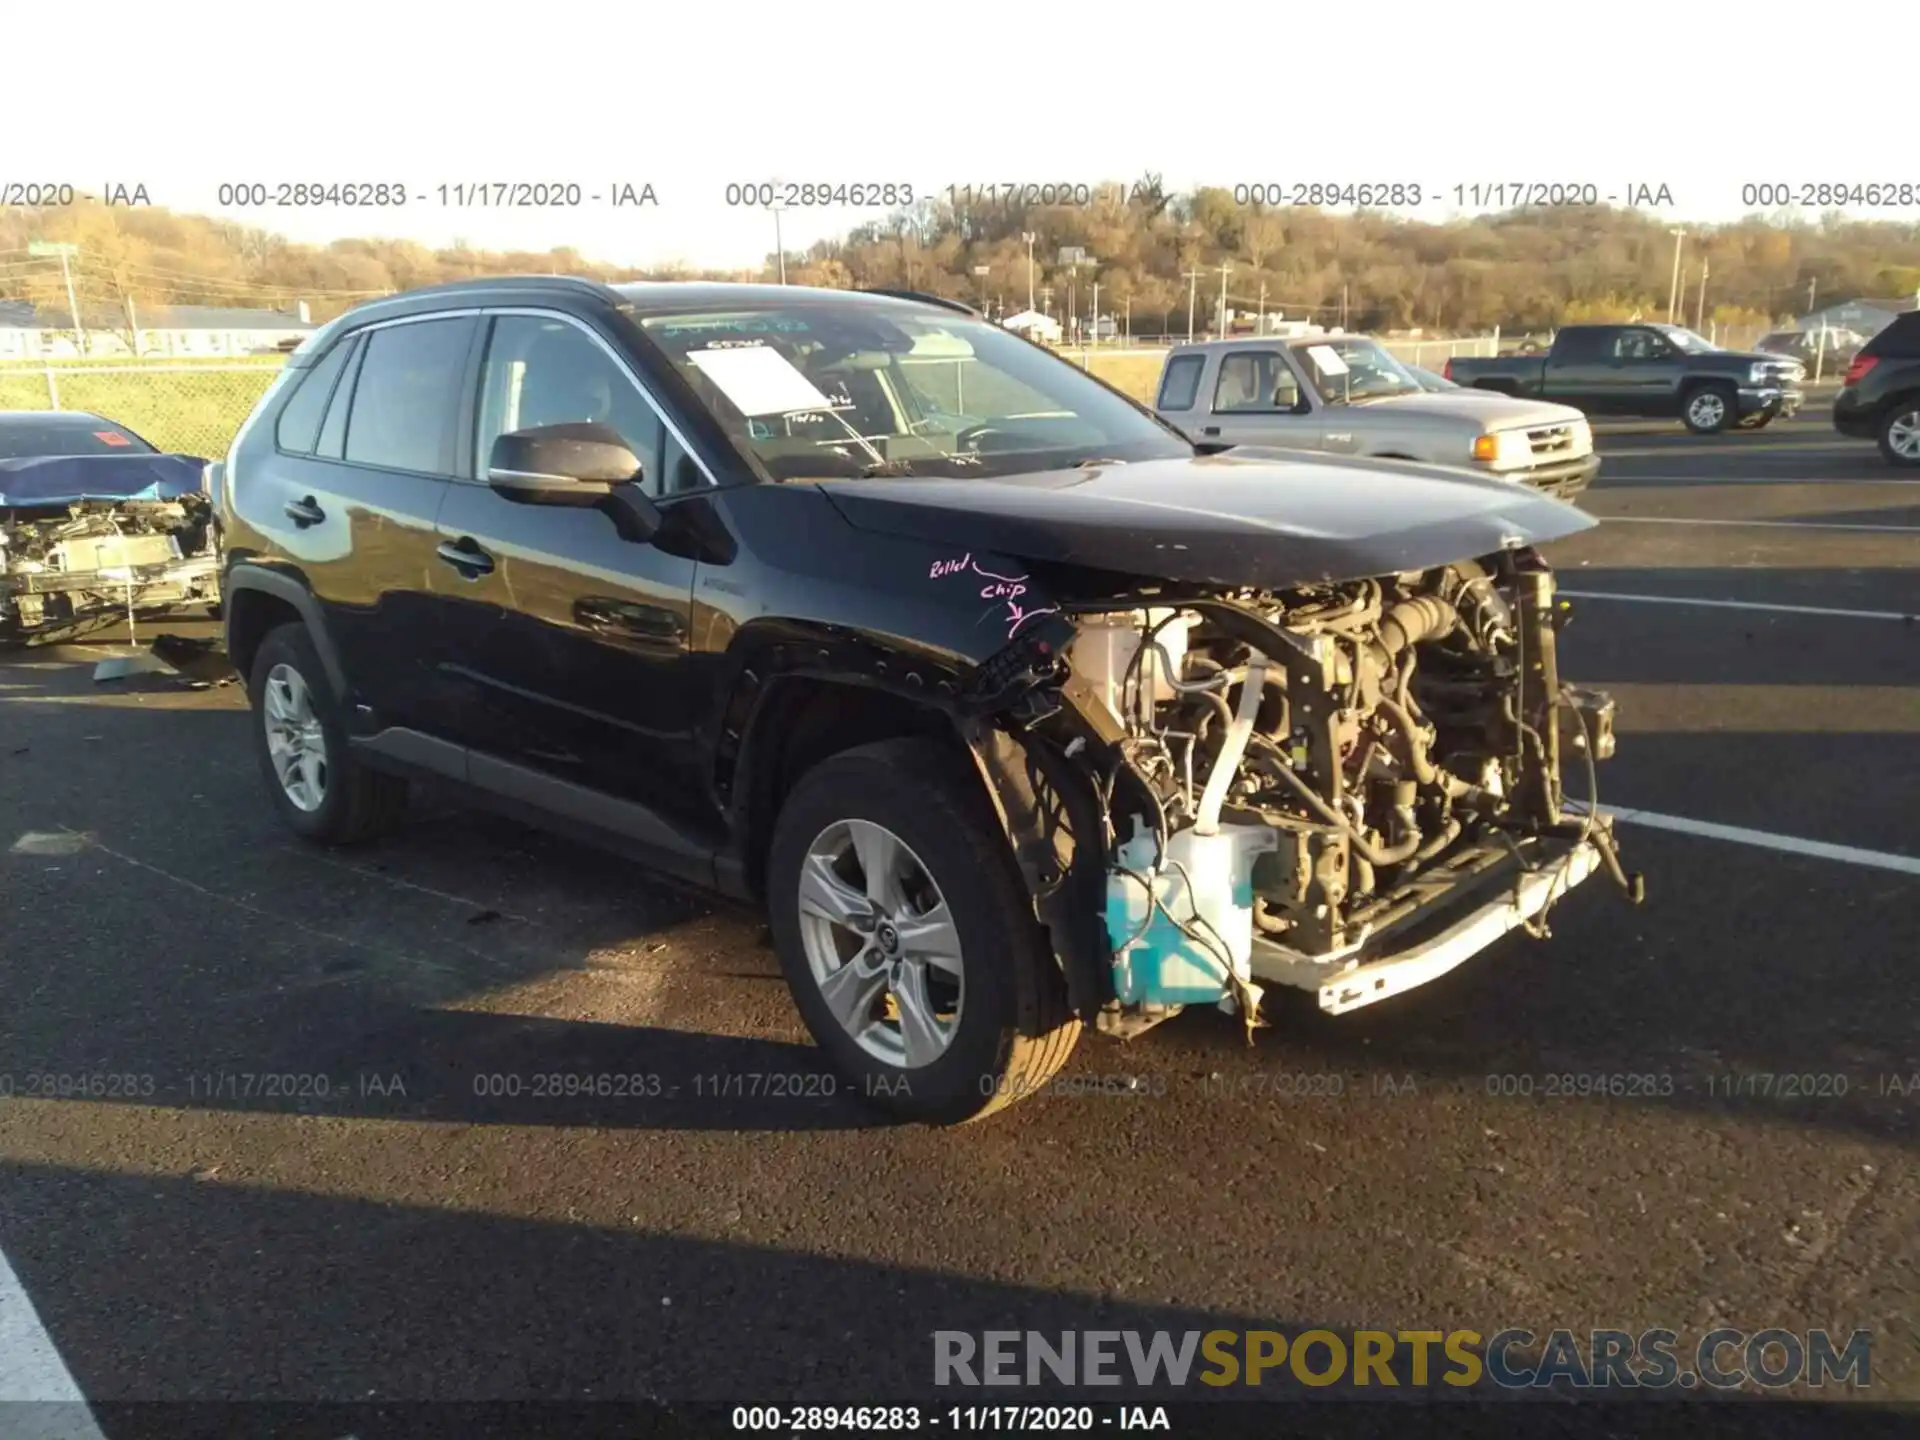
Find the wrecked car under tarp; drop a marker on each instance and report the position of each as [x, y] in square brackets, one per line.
[89, 539]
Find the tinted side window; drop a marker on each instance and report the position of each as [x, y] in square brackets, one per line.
[300, 416]
[1900, 340]
[407, 395]
[1579, 345]
[1181, 384]
[332, 444]
[550, 372]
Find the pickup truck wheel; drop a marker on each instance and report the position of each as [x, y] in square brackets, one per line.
[1709, 410]
[321, 791]
[909, 939]
[1900, 432]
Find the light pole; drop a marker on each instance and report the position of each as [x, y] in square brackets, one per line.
[1673, 290]
[64, 249]
[1224, 268]
[778, 245]
[1700, 303]
[1029, 237]
[1193, 288]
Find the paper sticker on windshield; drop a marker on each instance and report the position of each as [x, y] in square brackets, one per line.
[759, 380]
[111, 437]
[1327, 360]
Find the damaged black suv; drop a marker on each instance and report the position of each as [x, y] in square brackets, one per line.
[1017, 712]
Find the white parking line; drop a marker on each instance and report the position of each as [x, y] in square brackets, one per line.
[1757, 524]
[42, 1402]
[1765, 839]
[1739, 605]
[1764, 480]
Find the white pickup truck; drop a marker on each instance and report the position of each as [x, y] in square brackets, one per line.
[1347, 395]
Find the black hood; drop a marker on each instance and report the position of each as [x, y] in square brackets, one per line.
[1253, 517]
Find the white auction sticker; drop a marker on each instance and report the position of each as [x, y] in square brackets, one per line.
[759, 380]
[1327, 360]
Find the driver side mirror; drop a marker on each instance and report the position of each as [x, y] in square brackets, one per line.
[581, 464]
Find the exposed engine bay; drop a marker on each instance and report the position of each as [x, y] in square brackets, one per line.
[1346, 788]
[70, 568]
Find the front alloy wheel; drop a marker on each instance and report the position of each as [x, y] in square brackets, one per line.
[1900, 434]
[1708, 412]
[909, 938]
[295, 740]
[881, 943]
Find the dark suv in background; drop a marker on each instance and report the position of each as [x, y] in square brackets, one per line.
[1881, 400]
[871, 612]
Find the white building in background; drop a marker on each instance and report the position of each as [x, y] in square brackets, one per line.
[1033, 325]
[197, 331]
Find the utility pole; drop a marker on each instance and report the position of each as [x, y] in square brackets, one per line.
[1262, 327]
[1046, 298]
[1193, 284]
[1028, 236]
[65, 250]
[1812, 281]
[1126, 335]
[1096, 312]
[133, 325]
[1700, 304]
[779, 245]
[1224, 268]
[1673, 290]
[1343, 306]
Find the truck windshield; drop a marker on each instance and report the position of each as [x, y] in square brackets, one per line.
[1686, 341]
[822, 388]
[1346, 370]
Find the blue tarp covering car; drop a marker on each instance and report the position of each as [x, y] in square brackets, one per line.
[44, 480]
[97, 526]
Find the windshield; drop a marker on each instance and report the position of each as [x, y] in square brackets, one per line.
[832, 389]
[31, 439]
[1345, 370]
[1686, 340]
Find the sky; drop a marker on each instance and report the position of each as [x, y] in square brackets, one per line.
[1631, 98]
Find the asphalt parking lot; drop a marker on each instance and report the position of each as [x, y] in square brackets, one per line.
[390, 1231]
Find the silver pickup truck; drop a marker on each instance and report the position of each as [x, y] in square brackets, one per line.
[1346, 394]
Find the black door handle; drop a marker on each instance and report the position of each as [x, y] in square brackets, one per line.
[466, 557]
[1211, 430]
[304, 512]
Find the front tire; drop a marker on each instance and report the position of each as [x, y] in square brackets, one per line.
[320, 789]
[1709, 410]
[1900, 432]
[908, 937]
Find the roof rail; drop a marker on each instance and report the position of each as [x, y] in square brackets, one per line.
[493, 282]
[926, 299]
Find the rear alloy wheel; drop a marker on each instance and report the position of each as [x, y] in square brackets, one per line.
[908, 937]
[1900, 432]
[319, 787]
[1709, 410]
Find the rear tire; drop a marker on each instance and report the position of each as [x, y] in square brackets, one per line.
[913, 810]
[320, 789]
[1900, 432]
[1709, 409]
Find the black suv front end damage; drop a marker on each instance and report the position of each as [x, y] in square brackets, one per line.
[1344, 787]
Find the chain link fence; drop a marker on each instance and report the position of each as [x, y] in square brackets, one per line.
[184, 409]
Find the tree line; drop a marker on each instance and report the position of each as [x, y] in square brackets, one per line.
[1153, 254]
